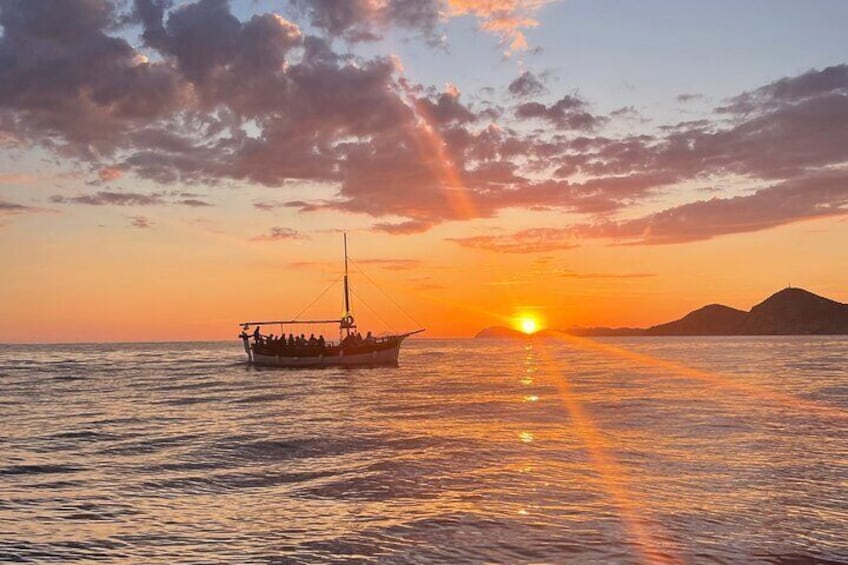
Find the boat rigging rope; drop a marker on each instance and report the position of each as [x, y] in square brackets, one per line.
[388, 325]
[311, 304]
[392, 300]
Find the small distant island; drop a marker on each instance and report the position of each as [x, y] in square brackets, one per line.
[791, 311]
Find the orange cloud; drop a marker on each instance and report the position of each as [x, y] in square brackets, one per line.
[527, 241]
[278, 234]
[505, 18]
[107, 174]
[16, 178]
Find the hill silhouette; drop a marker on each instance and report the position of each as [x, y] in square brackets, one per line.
[715, 319]
[791, 311]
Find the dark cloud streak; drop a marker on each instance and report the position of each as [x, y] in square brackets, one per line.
[108, 198]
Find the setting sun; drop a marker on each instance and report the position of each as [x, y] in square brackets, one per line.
[528, 325]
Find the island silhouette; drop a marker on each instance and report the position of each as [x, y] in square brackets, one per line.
[791, 311]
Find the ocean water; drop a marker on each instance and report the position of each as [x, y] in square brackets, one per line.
[652, 450]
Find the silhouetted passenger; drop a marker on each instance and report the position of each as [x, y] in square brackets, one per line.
[369, 338]
[313, 340]
[291, 340]
[256, 334]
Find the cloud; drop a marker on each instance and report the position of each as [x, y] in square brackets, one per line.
[818, 195]
[140, 222]
[269, 205]
[278, 234]
[108, 174]
[209, 98]
[194, 202]
[626, 113]
[366, 20]
[769, 137]
[686, 97]
[391, 264]
[403, 228]
[11, 209]
[569, 112]
[380, 263]
[71, 85]
[107, 198]
[526, 85]
[446, 108]
[506, 18]
[791, 90]
[311, 264]
[577, 275]
[111, 198]
[430, 286]
[534, 240]
[16, 178]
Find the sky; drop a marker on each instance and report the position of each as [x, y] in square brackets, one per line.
[169, 169]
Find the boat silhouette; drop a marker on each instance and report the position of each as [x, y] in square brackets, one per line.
[351, 350]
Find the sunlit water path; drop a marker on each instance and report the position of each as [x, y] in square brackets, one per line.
[471, 451]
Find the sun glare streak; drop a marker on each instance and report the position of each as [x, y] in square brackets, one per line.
[432, 146]
[611, 474]
[679, 369]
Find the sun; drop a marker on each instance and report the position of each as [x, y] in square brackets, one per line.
[528, 325]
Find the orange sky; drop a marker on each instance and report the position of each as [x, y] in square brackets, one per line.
[180, 282]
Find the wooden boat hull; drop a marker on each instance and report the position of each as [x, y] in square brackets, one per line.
[383, 357]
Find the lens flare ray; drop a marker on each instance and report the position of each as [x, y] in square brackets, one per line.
[680, 370]
[633, 514]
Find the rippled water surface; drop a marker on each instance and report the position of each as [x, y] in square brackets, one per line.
[613, 450]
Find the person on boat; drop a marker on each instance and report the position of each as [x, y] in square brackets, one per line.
[369, 338]
[256, 334]
[291, 340]
[313, 340]
[321, 343]
[302, 340]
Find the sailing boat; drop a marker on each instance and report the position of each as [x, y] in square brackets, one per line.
[350, 351]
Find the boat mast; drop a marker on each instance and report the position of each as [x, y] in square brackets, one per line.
[347, 321]
[347, 294]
